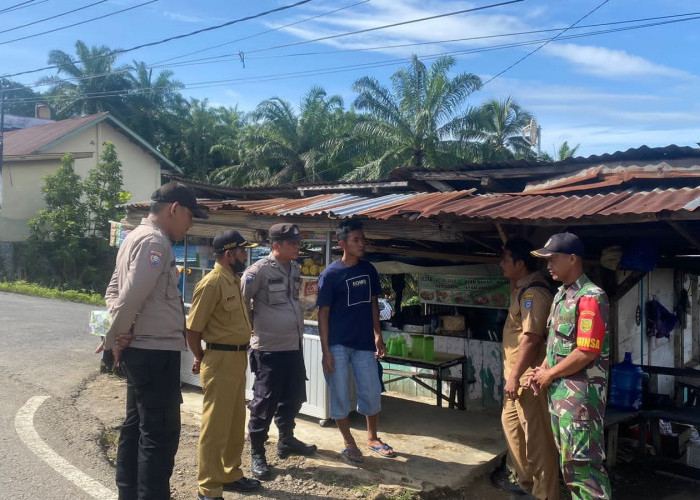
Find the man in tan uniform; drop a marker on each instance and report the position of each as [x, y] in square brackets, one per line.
[146, 337]
[525, 417]
[271, 286]
[218, 316]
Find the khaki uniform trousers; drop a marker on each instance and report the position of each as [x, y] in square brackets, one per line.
[528, 431]
[223, 420]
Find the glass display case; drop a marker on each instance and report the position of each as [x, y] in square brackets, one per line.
[313, 257]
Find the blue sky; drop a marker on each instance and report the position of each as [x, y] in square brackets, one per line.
[607, 91]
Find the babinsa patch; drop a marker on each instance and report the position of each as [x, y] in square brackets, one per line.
[528, 300]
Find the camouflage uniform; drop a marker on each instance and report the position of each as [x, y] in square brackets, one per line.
[579, 320]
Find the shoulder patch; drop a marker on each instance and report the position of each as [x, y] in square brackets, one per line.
[528, 303]
[154, 257]
[249, 278]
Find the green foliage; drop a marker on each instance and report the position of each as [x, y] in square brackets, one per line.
[423, 120]
[565, 151]
[415, 122]
[279, 145]
[65, 220]
[68, 242]
[494, 129]
[20, 99]
[103, 192]
[25, 288]
[87, 84]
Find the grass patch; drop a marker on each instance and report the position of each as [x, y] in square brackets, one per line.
[403, 495]
[25, 288]
[109, 442]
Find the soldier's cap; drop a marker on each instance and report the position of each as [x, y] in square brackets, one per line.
[284, 232]
[566, 243]
[177, 192]
[230, 239]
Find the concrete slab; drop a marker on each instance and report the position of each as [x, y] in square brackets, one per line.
[437, 447]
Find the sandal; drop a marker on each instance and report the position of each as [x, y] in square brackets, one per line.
[352, 454]
[383, 450]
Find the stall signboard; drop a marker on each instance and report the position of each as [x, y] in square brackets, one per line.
[473, 291]
[308, 293]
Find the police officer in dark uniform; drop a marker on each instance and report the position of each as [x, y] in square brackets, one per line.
[271, 289]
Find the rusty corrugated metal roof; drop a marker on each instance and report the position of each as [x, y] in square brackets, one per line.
[34, 139]
[488, 207]
[631, 204]
[607, 176]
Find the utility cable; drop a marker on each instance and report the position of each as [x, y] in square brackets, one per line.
[260, 33]
[544, 44]
[339, 69]
[176, 37]
[78, 23]
[17, 6]
[403, 23]
[53, 17]
[501, 35]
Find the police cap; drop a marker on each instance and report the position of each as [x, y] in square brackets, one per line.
[177, 192]
[230, 239]
[285, 232]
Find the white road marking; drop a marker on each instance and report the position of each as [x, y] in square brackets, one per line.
[24, 425]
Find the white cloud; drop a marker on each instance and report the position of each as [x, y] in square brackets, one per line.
[184, 18]
[609, 63]
[386, 12]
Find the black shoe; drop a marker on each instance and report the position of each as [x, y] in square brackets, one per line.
[292, 446]
[502, 478]
[202, 497]
[243, 484]
[258, 466]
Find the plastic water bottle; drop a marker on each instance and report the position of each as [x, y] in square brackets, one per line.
[626, 385]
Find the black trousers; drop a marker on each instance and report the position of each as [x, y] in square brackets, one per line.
[278, 391]
[151, 431]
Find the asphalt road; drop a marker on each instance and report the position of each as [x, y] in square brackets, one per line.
[46, 354]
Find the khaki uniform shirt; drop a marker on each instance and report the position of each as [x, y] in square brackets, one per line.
[527, 315]
[218, 310]
[278, 322]
[143, 292]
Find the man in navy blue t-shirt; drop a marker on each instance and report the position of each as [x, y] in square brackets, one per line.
[348, 323]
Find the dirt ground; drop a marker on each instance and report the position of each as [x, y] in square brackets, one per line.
[293, 478]
[297, 477]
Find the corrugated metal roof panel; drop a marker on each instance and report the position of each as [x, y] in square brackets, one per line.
[611, 175]
[523, 208]
[658, 200]
[30, 140]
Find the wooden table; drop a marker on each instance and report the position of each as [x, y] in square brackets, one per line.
[441, 361]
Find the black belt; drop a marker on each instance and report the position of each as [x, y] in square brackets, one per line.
[227, 347]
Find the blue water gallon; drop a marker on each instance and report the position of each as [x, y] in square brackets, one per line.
[626, 385]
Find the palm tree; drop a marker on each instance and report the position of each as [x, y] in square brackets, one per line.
[565, 151]
[149, 100]
[89, 84]
[415, 122]
[196, 128]
[280, 145]
[495, 130]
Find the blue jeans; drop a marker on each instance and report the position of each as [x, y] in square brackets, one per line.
[366, 375]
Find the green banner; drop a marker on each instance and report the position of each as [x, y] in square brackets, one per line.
[472, 291]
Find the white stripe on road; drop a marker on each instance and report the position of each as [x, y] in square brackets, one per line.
[24, 424]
